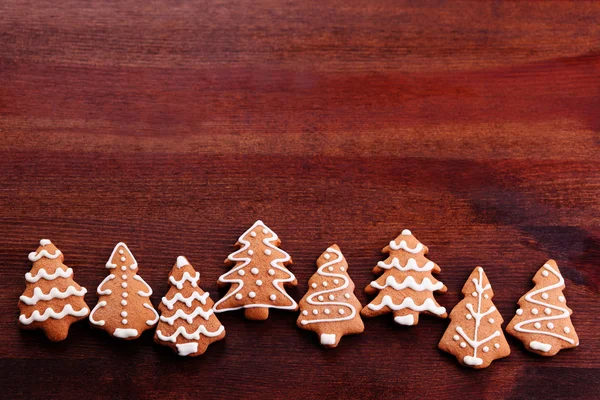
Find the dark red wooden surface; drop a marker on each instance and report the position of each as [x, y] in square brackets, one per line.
[174, 125]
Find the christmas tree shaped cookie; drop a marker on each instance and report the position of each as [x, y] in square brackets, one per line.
[52, 300]
[187, 322]
[124, 309]
[543, 320]
[406, 286]
[258, 275]
[330, 307]
[474, 335]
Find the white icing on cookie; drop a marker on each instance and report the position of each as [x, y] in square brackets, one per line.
[402, 245]
[535, 345]
[409, 282]
[101, 291]
[33, 256]
[125, 333]
[328, 338]
[142, 293]
[194, 335]
[187, 300]
[54, 293]
[92, 320]
[188, 317]
[182, 262]
[185, 349]
[411, 265]
[50, 313]
[151, 322]
[185, 277]
[122, 245]
[42, 274]
[428, 305]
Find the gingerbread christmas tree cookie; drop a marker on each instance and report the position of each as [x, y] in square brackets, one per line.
[258, 276]
[543, 320]
[406, 286]
[330, 307]
[52, 300]
[124, 309]
[474, 335]
[187, 322]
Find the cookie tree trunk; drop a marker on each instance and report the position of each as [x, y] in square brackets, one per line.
[258, 276]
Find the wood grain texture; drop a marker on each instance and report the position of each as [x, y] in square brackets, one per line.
[174, 125]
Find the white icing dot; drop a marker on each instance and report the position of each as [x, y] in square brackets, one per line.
[336, 281]
[406, 232]
[468, 316]
[327, 256]
[330, 269]
[304, 312]
[545, 273]
[124, 314]
[491, 320]
[561, 299]
[124, 294]
[537, 325]
[239, 296]
[253, 234]
[123, 302]
[124, 268]
[121, 251]
[124, 285]
[271, 272]
[254, 271]
[566, 329]
[341, 311]
[463, 344]
[534, 311]
[124, 322]
[545, 296]
[314, 286]
[342, 269]
[519, 312]
[252, 295]
[325, 284]
[347, 295]
[241, 272]
[547, 311]
[268, 252]
[123, 276]
[486, 349]
[326, 311]
[486, 296]
[315, 312]
[258, 282]
[123, 259]
[550, 325]
[331, 297]
[250, 252]
[474, 294]
[497, 346]
[265, 231]
[320, 298]
[455, 337]
[272, 297]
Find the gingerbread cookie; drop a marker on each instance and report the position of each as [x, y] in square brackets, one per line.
[187, 322]
[124, 309]
[330, 307]
[474, 335]
[407, 284]
[258, 275]
[543, 320]
[52, 300]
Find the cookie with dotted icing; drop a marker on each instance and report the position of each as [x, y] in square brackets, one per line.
[406, 285]
[124, 309]
[475, 335]
[52, 300]
[187, 322]
[543, 320]
[330, 307]
[258, 276]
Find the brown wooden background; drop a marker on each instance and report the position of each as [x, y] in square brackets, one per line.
[174, 125]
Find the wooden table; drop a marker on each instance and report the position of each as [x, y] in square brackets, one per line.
[173, 126]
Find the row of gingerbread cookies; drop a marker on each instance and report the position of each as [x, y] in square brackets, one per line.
[329, 308]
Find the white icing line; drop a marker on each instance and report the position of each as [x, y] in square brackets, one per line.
[188, 317]
[409, 282]
[564, 312]
[187, 300]
[328, 338]
[33, 256]
[111, 265]
[50, 313]
[151, 322]
[322, 271]
[411, 265]
[125, 333]
[428, 305]
[59, 273]
[194, 335]
[54, 293]
[92, 320]
[395, 246]
[102, 292]
[185, 277]
[185, 349]
[535, 345]
[142, 293]
[245, 261]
